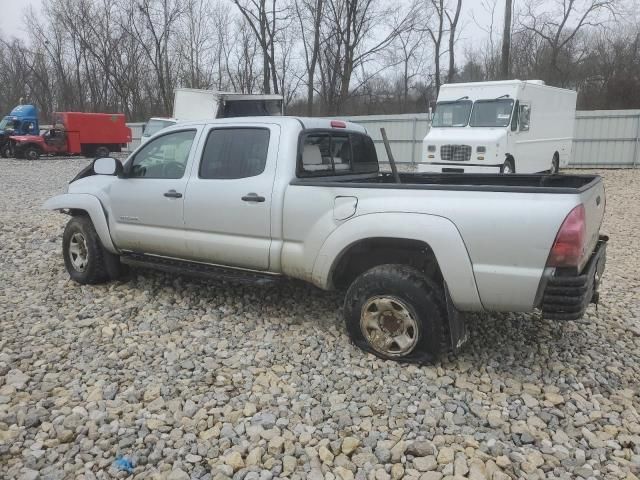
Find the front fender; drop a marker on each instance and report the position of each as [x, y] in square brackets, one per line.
[91, 205]
[438, 232]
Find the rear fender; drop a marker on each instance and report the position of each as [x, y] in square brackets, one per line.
[89, 204]
[439, 233]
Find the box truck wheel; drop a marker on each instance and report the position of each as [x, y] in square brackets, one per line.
[508, 166]
[397, 313]
[102, 151]
[555, 164]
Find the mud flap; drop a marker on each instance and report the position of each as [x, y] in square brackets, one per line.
[457, 325]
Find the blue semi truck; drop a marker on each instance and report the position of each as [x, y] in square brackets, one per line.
[23, 120]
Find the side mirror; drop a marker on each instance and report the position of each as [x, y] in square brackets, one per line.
[107, 166]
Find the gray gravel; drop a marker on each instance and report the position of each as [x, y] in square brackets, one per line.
[194, 379]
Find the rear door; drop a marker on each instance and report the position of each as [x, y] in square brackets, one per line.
[227, 207]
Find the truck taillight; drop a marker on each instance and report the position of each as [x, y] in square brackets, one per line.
[568, 247]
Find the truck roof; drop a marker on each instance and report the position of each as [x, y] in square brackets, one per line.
[306, 122]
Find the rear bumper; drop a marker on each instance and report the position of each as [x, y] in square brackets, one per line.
[567, 297]
[451, 167]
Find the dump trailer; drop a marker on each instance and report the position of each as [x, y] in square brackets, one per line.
[88, 134]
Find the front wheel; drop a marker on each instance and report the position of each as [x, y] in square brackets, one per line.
[5, 151]
[396, 313]
[85, 258]
[508, 167]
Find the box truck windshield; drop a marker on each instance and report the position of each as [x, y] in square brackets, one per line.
[452, 114]
[491, 113]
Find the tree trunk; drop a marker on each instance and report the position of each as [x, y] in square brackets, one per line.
[452, 40]
[506, 40]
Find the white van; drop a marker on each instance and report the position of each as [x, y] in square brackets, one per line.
[197, 104]
[510, 126]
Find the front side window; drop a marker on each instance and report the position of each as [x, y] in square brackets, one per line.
[232, 153]
[331, 153]
[491, 113]
[163, 157]
[452, 114]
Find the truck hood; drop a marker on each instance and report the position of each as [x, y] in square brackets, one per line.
[466, 136]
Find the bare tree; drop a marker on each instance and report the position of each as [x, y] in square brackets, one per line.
[309, 14]
[453, 24]
[506, 40]
[559, 23]
[266, 20]
[436, 32]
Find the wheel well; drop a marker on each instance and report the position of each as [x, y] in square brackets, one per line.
[371, 252]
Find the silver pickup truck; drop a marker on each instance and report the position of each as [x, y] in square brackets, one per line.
[260, 198]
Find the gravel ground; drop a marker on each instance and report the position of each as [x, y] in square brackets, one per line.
[193, 379]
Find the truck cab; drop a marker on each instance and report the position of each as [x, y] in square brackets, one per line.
[23, 120]
[500, 127]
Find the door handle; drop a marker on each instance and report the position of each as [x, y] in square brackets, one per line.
[172, 194]
[253, 197]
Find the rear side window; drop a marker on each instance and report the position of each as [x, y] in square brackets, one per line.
[331, 153]
[234, 153]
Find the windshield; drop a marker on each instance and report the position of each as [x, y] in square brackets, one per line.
[154, 126]
[8, 124]
[452, 114]
[491, 113]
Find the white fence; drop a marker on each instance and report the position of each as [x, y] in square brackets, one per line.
[603, 138]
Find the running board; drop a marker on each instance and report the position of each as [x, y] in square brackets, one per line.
[197, 269]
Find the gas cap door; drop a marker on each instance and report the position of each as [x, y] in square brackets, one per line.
[344, 207]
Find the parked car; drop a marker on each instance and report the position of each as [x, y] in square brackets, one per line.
[89, 134]
[263, 198]
[506, 126]
[197, 104]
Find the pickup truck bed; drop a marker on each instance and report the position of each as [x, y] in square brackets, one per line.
[535, 183]
[304, 198]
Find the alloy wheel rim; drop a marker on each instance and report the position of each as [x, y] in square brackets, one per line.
[78, 252]
[389, 325]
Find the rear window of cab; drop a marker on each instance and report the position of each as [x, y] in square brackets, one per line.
[327, 153]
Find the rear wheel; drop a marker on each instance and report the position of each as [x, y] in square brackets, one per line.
[555, 164]
[396, 313]
[85, 258]
[508, 166]
[102, 151]
[31, 153]
[5, 151]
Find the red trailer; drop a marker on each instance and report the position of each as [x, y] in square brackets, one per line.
[89, 134]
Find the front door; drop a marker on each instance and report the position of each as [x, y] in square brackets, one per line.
[147, 205]
[227, 208]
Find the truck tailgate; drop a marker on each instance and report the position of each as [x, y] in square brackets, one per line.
[593, 199]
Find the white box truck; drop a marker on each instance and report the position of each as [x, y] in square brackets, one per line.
[191, 104]
[510, 126]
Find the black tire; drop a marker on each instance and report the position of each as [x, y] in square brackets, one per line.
[102, 151]
[5, 151]
[555, 165]
[508, 167]
[101, 265]
[419, 293]
[31, 153]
